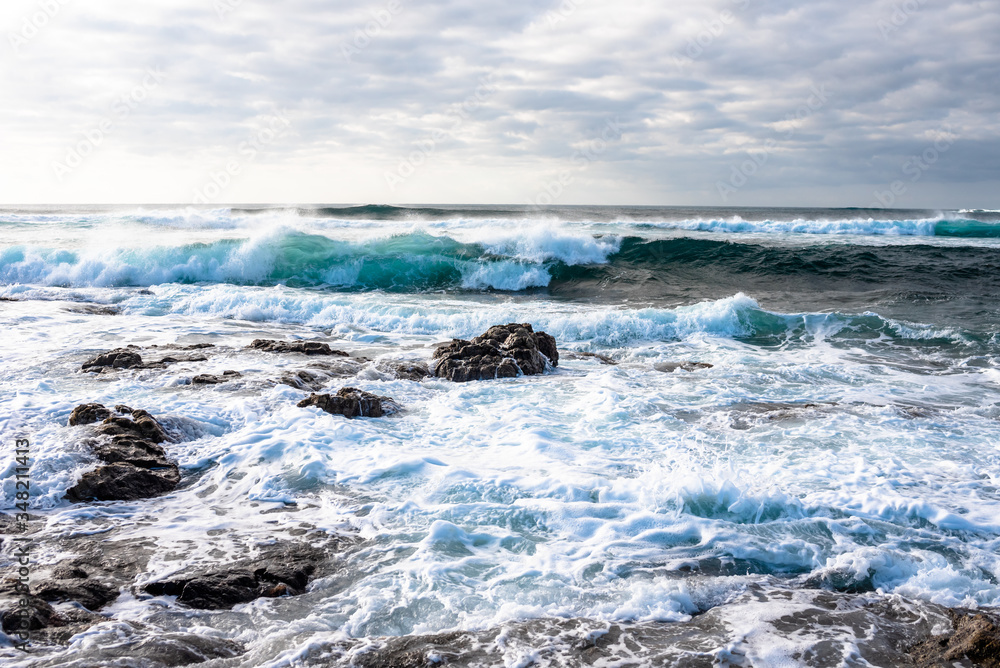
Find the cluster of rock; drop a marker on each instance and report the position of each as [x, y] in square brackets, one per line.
[504, 351]
[135, 464]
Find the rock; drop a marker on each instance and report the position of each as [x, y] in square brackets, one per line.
[92, 309]
[144, 426]
[119, 358]
[976, 638]
[603, 359]
[87, 414]
[279, 571]
[319, 374]
[305, 347]
[163, 650]
[91, 594]
[415, 371]
[503, 351]
[37, 615]
[123, 482]
[351, 402]
[69, 572]
[209, 379]
[131, 450]
[670, 367]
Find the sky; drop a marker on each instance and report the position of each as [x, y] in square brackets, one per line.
[724, 102]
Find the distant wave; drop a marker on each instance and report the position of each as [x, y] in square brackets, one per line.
[930, 227]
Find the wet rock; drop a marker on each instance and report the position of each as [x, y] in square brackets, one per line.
[319, 374]
[415, 371]
[209, 379]
[976, 638]
[352, 403]
[279, 571]
[304, 347]
[91, 594]
[670, 367]
[87, 414]
[93, 309]
[136, 466]
[165, 650]
[603, 359]
[123, 482]
[36, 615]
[503, 351]
[119, 358]
[69, 572]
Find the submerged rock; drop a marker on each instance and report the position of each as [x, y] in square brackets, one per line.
[670, 367]
[284, 570]
[210, 379]
[93, 309]
[318, 374]
[415, 371]
[603, 359]
[136, 466]
[304, 347]
[119, 358]
[91, 594]
[503, 351]
[352, 403]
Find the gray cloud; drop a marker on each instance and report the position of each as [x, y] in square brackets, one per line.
[833, 99]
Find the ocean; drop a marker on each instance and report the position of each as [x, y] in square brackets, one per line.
[772, 436]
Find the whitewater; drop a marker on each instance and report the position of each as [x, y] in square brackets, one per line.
[756, 414]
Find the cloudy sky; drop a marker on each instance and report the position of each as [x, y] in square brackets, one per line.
[745, 102]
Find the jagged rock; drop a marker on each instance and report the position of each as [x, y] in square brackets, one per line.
[670, 367]
[279, 571]
[351, 402]
[37, 615]
[123, 482]
[69, 572]
[87, 414]
[136, 466]
[305, 347]
[976, 638]
[119, 358]
[503, 351]
[91, 594]
[209, 379]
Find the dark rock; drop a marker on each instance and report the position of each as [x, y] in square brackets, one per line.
[319, 374]
[171, 359]
[279, 571]
[670, 367]
[93, 309]
[87, 414]
[37, 615]
[415, 371]
[119, 358]
[976, 638]
[91, 594]
[209, 379]
[351, 402]
[122, 409]
[603, 359]
[305, 347]
[143, 426]
[123, 482]
[503, 351]
[129, 449]
[164, 650]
